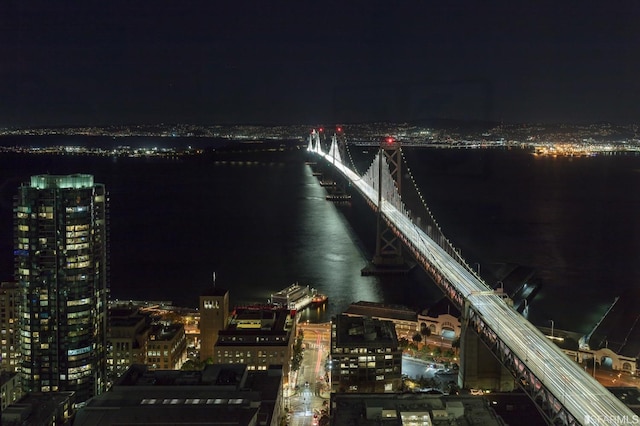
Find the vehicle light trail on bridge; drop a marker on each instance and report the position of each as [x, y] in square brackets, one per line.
[563, 391]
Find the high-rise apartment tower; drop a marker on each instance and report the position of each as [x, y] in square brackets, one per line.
[61, 264]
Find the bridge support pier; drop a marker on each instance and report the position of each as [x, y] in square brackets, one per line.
[479, 367]
[388, 258]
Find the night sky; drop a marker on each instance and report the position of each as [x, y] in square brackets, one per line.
[301, 62]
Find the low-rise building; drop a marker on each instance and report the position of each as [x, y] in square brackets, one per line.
[366, 409]
[10, 389]
[604, 357]
[259, 336]
[166, 347]
[220, 393]
[127, 340]
[365, 355]
[442, 319]
[404, 319]
[42, 409]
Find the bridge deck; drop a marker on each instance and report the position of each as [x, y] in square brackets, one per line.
[579, 393]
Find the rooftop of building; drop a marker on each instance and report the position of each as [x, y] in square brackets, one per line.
[364, 331]
[441, 307]
[126, 317]
[229, 376]
[37, 409]
[75, 181]
[630, 396]
[5, 376]
[259, 320]
[398, 409]
[123, 311]
[189, 409]
[125, 322]
[382, 310]
[162, 332]
[224, 391]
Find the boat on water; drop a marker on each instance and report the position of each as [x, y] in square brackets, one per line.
[319, 299]
[297, 297]
[338, 197]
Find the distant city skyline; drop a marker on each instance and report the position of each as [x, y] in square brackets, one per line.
[266, 63]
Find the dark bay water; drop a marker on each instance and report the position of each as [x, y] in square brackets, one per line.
[260, 222]
[573, 220]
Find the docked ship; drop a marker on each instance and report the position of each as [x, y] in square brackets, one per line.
[297, 297]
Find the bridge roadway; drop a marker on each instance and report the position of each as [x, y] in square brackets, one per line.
[580, 394]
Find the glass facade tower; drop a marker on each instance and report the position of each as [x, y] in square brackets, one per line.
[61, 264]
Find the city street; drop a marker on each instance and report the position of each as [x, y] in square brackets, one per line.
[610, 378]
[442, 378]
[311, 390]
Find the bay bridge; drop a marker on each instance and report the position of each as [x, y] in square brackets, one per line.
[563, 392]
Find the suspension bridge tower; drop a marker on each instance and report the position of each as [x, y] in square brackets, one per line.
[388, 258]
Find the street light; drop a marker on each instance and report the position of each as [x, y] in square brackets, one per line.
[330, 374]
[330, 385]
[552, 324]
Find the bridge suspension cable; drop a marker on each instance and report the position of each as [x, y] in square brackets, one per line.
[572, 396]
[353, 163]
[334, 150]
[431, 227]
